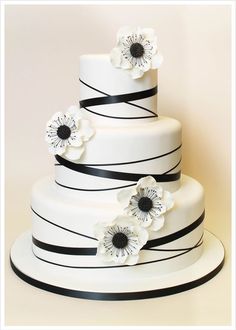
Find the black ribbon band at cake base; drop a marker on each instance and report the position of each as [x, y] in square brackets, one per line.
[112, 296]
[93, 250]
[114, 174]
[182, 252]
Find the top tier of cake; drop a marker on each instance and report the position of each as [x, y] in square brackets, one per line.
[109, 95]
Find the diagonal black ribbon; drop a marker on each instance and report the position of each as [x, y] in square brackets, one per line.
[114, 174]
[111, 99]
[92, 251]
[135, 161]
[120, 98]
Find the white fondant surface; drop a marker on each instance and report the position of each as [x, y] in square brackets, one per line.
[116, 279]
[98, 72]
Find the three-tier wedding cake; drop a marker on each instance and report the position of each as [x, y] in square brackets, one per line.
[119, 220]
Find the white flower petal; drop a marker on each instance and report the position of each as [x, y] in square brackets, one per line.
[157, 61]
[157, 223]
[55, 117]
[121, 259]
[125, 31]
[99, 230]
[132, 259]
[74, 112]
[115, 57]
[168, 200]
[125, 195]
[48, 138]
[149, 33]
[59, 150]
[86, 130]
[75, 140]
[143, 236]
[74, 153]
[136, 73]
[146, 182]
[146, 66]
[147, 222]
[125, 64]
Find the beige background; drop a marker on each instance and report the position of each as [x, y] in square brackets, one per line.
[43, 45]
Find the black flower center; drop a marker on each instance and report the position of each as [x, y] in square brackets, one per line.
[145, 204]
[63, 132]
[120, 240]
[136, 50]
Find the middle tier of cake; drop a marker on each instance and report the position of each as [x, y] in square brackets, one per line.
[119, 156]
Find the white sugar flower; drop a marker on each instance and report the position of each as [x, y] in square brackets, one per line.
[148, 202]
[120, 241]
[66, 133]
[136, 51]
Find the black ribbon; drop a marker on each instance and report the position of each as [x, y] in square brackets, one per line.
[120, 98]
[117, 295]
[114, 174]
[183, 251]
[92, 250]
[135, 161]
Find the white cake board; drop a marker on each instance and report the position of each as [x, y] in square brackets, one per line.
[103, 284]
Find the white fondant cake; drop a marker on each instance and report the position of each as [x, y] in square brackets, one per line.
[119, 209]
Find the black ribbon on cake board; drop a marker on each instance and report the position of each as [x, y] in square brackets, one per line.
[113, 296]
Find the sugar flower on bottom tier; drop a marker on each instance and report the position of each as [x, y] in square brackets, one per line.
[121, 240]
[136, 51]
[66, 133]
[147, 202]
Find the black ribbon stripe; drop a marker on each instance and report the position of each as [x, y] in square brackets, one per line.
[121, 98]
[134, 161]
[117, 117]
[174, 236]
[88, 251]
[115, 174]
[63, 228]
[174, 167]
[92, 251]
[199, 243]
[94, 190]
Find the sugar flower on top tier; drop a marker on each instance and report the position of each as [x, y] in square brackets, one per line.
[136, 51]
[67, 133]
[147, 202]
[120, 241]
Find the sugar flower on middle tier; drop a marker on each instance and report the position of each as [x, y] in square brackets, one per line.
[121, 240]
[147, 202]
[67, 133]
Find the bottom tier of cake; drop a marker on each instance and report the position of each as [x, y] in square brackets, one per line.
[63, 230]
